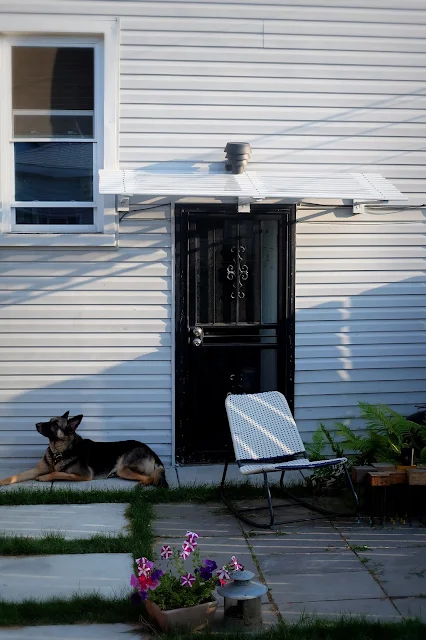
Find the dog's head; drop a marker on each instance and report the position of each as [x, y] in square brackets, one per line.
[61, 428]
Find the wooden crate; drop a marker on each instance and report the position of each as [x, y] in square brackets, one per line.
[398, 477]
[417, 477]
[379, 479]
[359, 474]
[383, 466]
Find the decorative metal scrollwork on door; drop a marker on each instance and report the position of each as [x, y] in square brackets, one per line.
[238, 270]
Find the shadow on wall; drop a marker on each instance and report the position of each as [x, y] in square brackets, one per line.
[47, 372]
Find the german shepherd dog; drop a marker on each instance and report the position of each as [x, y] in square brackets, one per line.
[71, 457]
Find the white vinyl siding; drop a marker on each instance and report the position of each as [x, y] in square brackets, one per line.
[89, 332]
[312, 88]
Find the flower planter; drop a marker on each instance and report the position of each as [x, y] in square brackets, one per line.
[189, 618]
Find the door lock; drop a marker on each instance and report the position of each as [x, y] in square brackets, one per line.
[198, 333]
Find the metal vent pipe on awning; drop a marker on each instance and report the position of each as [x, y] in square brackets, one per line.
[237, 156]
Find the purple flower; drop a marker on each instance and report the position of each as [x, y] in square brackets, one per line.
[134, 582]
[144, 595]
[205, 573]
[156, 574]
[136, 598]
[210, 564]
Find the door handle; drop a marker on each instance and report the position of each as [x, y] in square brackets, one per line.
[198, 333]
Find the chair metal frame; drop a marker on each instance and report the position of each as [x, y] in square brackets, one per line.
[284, 452]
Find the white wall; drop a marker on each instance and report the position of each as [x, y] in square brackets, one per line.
[340, 87]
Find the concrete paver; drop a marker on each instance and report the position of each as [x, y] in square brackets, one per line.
[71, 521]
[74, 632]
[411, 607]
[369, 608]
[174, 520]
[43, 577]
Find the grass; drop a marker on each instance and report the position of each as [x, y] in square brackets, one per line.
[324, 630]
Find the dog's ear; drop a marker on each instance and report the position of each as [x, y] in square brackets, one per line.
[66, 414]
[74, 422]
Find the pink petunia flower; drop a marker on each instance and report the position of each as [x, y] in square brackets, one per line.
[192, 537]
[166, 552]
[187, 549]
[235, 564]
[223, 574]
[145, 566]
[187, 580]
[134, 582]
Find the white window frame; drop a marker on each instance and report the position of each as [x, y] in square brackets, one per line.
[103, 36]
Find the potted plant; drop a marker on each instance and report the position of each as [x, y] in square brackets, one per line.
[176, 596]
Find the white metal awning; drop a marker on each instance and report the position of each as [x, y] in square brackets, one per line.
[256, 185]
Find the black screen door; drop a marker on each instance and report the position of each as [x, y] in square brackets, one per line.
[234, 318]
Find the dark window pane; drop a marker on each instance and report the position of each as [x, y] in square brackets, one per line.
[53, 171]
[48, 126]
[53, 78]
[32, 215]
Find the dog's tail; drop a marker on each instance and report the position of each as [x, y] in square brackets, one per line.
[159, 478]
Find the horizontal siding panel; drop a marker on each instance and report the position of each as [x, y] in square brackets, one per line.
[303, 128]
[364, 289]
[354, 361]
[111, 327]
[20, 384]
[116, 354]
[84, 297]
[132, 225]
[87, 368]
[150, 424]
[197, 39]
[86, 269]
[30, 438]
[381, 265]
[84, 396]
[342, 413]
[360, 327]
[357, 277]
[359, 388]
[116, 409]
[344, 315]
[33, 453]
[385, 112]
[96, 312]
[41, 340]
[288, 142]
[360, 301]
[376, 87]
[242, 69]
[342, 216]
[343, 43]
[343, 401]
[314, 156]
[362, 236]
[345, 340]
[367, 252]
[174, 91]
[380, 31]
[352, 351]
[94, 283]
[354, 376]
[283, 57]
[142, 241]
[122, 255]
[190, 24]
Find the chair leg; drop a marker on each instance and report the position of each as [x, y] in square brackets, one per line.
[224, 475]
[269, 499]
[354, 493]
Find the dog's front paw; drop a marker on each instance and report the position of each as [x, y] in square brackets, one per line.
[46, 478]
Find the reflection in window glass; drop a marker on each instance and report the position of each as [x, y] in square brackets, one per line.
[52, 126]
[53, 171]
[52, 215]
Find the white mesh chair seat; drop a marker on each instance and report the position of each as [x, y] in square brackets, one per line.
[265, 436]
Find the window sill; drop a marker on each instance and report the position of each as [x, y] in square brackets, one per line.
[59, 240]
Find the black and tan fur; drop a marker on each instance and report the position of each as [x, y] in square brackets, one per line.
[71, 457]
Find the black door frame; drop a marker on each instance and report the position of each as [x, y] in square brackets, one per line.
[286, 337]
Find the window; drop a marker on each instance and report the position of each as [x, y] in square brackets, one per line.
[55, 131]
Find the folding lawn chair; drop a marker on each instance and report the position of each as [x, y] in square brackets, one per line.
[266, 439]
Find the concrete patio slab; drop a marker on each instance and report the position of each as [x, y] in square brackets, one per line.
[411, 607]
[43, 577]
[174, 520]
[298, 542]
[212, 474]
[313, 587]
[371, 609]
[273, 561]
[384, 537]
[71, 521]
[74, 632]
